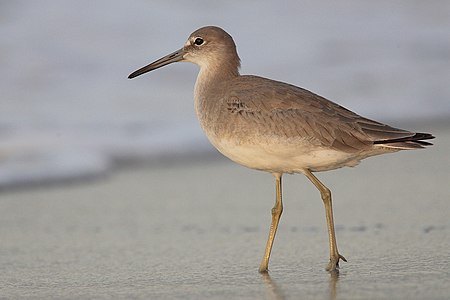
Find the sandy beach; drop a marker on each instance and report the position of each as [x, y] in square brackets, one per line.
[197, 230]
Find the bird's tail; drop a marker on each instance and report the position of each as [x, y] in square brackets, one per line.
[415, 141]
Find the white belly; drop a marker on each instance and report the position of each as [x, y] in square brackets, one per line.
[285, 158]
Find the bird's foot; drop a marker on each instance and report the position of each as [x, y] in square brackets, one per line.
[264, 267]
[333, 265]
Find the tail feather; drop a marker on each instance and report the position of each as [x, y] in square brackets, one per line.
[415, 141]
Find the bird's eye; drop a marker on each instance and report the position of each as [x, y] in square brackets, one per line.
[198, 41]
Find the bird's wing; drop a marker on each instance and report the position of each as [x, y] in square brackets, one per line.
[284, 109]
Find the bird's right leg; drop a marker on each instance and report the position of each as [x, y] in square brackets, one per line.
[276, 214]
[325, 193]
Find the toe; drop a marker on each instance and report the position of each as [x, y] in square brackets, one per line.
[333, 264]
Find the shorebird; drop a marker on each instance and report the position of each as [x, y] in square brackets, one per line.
[277, 127]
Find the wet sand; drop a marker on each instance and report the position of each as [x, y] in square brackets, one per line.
[197, 230]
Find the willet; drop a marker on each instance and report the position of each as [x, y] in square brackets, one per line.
[277, 127]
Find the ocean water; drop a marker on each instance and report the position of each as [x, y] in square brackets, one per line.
[67, 109]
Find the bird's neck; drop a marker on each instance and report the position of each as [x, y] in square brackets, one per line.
[211, 75]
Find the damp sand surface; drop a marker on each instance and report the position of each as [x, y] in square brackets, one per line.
[197, 230]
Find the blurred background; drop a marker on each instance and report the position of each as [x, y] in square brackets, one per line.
[68, 111]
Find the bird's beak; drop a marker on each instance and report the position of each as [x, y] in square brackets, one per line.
[168, 59]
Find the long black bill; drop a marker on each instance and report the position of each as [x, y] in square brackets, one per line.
[168, 59]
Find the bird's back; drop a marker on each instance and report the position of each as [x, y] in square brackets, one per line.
[251, 107]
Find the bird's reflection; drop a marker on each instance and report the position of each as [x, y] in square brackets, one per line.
[274, 292]
[334, 278]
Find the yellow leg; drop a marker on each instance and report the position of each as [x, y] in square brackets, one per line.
[276, 214]
[326, 197]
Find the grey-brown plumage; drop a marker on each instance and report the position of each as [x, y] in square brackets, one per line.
[277, 127]
[309, 115]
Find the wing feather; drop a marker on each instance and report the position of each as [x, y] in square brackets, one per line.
[289, 111]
